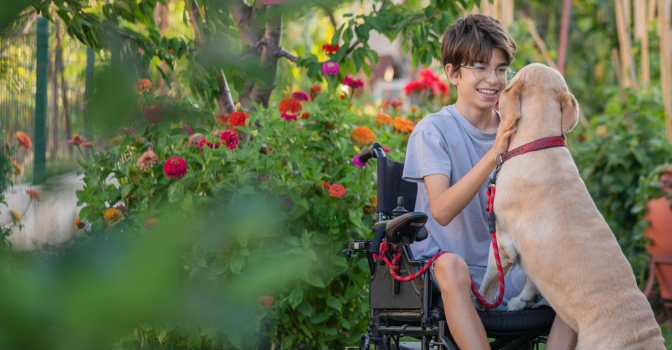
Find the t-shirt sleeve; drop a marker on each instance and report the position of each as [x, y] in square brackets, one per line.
[426, 154]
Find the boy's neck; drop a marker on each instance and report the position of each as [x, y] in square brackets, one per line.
[484, 120]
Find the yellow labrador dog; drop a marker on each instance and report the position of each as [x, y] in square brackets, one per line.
[548, 223]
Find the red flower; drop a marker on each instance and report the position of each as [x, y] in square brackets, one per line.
[223, 118]
[330, 49]
[314, 91]
[353, 83]
[22, 139]
[290, 105]
[206, 142]
[324, 184]
[175, 167]
[237, 119]
[300, 96]
[265, 301]
[428, 81]
[153, 114]
[229, 139]
[336, 190]
[394, 103]
[288, 116]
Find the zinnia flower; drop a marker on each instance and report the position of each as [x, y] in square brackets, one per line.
[87, 144]
[142, 85]
[77, 140]
[336, 190]
[33, 194]
[81, 225]
[18, 170]
[15, 215]
[223, 118]
[330, 49]
[122, 208]
[288, 116]
[314, 91]
[229, 139]
[113, 216]
[208, 143]
[403, 125]
[237, 119]
[305, 115]
[263, 178]
[601, 131]
[115, 140]
[265, 301]
[151, 223]
[22, 139]
[355, 160]
[387, 149]
[290, 105]
[195, 140]
[383, 118]
[331, 68]
[147, 160]
[362, 136]
[153, 114]
[127, 130]
[353, 83]
[175, 167]
[394, 103]
[301, 96]
[188, 129]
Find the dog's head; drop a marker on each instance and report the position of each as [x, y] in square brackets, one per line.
[538, 100]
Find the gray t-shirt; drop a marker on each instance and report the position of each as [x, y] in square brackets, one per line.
[447, 143]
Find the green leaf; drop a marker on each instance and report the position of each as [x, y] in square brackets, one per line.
[339, 260]
[287, 341]
[85, 213]
[314, 280]
[305, 308]
[321, 238]
[187, 204]
[237, 264]
[319, 318]
[295, 297]
[162, 335]
[330, 331]
[334, 303]
[293, 241]
[125, 190]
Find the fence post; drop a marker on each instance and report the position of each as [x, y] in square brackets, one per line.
[88, 93]
[41, 100]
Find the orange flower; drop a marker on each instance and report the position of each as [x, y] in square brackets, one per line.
[18, 170]
[305, 115]
[403, 125]
[15, 215]
[314, 91]
[113, 216]
[290, 105]
[33, 194]
[22, 139]
[142, 85]
[81, 225]
[153, 114]
[115, 140]
[362, 136]
[383, 118]
[336, 190]
[223, 118]
[237, 119]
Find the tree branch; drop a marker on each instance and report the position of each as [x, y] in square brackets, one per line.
[194, 21]
[256, 45]
[331, 16]
[288, 55]
[270, 54]
[224, 99]
[95, 19]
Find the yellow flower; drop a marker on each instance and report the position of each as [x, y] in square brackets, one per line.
[601, 131]
[15, 215]
[113, 216]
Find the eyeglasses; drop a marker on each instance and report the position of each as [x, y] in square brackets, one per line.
[481, 72]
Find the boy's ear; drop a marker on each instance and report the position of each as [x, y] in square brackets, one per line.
[452, 72]
[570, 111]
[509, 104]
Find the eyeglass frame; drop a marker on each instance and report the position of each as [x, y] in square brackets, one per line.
[473, 70]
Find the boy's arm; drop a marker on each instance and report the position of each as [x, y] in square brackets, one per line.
[446, 202]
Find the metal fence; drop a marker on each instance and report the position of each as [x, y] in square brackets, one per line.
[22, 89]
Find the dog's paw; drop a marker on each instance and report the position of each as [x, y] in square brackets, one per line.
[517, 304]
[477, 303]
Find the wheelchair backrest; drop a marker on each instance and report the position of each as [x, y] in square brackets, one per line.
[391, 186]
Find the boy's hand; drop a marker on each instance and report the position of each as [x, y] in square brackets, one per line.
[502, 140]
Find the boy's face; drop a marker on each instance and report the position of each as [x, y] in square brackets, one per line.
[479, 93]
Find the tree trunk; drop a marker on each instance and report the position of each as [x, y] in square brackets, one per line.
[269, 56]
[58, 65]
[564, 31]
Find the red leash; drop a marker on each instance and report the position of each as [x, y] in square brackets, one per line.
[500, 159]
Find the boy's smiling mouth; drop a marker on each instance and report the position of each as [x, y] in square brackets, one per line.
[488, 93]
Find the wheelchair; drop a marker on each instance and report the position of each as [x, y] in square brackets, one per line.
[415, 308]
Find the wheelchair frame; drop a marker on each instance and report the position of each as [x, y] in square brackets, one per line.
[410, 308]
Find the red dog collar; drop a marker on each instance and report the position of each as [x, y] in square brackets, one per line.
[556, 141]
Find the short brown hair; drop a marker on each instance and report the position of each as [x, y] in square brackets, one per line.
[472, 38]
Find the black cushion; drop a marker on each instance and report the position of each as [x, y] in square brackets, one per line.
[391, 186]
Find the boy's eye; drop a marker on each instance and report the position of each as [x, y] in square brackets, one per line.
[502, 70]
[479, 67]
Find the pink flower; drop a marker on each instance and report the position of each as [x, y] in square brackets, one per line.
[263, 178]
[87, 144]
[77, 140]
[230, 139]
[301, 96]
[147, 160]
[265, 301]
[195, 140]
[355, 160]
[127, 130]
[353, 83]
[189, 130]
[298, 126]
[387, 149]
[288, 116]
[175, 167]
[331, 68]
[204, 142]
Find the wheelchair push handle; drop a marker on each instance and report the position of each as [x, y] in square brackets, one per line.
[373, 151]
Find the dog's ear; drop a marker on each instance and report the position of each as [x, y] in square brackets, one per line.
[510, 109]
[570, 111]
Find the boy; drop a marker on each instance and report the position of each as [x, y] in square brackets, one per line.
[451, 156]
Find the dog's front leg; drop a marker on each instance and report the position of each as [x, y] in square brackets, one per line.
[525, 299]
[490, 284]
